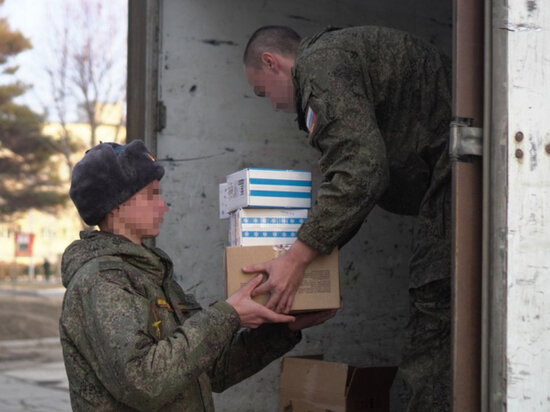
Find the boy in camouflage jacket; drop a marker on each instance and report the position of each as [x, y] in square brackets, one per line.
[131, 338]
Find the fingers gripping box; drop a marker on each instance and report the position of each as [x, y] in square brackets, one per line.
[320, 288]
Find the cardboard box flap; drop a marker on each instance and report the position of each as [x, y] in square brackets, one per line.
[299, 405]
[309, 385]
[304, 405]
[313, 379]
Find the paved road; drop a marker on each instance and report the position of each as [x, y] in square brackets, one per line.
[32, 376]
[55, 292]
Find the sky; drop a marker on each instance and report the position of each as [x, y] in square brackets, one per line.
[27, 16]
[33, 19]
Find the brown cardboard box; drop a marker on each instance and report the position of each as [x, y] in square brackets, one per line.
[309, 385]
[320, 288]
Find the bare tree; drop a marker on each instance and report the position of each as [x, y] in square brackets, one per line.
[60, 89]
[87, 67]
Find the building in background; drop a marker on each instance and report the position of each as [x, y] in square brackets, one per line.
[53, 232]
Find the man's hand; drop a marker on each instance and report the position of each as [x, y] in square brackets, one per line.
[285, 274]
[253, 314]
[308, 320]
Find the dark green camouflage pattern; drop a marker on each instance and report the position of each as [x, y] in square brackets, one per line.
[382, 100]
[133, 340]
[426, 353]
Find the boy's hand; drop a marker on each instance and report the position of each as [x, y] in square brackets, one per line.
[285, 275]
[251, 313]
[308, 320]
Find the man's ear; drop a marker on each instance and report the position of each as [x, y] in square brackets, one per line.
[270, 61]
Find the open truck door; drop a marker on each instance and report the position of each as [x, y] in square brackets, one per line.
[467, 184]
[501, 278]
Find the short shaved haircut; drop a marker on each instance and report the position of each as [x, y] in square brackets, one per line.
[279, 39]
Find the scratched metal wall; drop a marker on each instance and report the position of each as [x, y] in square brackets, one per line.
[215, 126]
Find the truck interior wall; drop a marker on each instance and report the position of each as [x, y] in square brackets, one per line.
[215, 125]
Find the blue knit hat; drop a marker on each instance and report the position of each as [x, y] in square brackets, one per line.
[108, 175]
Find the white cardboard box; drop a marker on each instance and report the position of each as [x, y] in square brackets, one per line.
[257, 227]
[272, 188]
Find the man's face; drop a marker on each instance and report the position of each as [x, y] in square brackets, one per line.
[143, 213]
[277, 87]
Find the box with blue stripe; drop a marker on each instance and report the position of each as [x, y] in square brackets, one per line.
[272, 188]
[263, 226]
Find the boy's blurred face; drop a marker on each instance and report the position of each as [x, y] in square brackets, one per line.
[142, 214]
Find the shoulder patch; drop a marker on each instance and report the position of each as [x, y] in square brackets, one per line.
[163, 303]
[311, 118]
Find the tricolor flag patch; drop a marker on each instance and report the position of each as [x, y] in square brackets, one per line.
[311, 117]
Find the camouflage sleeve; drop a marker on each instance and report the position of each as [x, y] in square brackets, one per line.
[353, 153]
[250, 351]
[138, 370]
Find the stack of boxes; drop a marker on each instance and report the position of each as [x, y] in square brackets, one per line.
[265, 208]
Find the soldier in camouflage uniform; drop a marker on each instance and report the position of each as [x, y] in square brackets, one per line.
[131, 338]
[376, 103]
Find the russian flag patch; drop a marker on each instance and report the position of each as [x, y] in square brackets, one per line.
[311, 117]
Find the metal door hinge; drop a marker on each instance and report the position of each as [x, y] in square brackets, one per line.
[465, 140]
[161, 116]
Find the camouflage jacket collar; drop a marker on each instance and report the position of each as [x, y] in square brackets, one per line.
[308, 41]
[94, 244]
[301, 92]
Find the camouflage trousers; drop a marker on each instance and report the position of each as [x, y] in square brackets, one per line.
[426, 364]
[426, 359]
